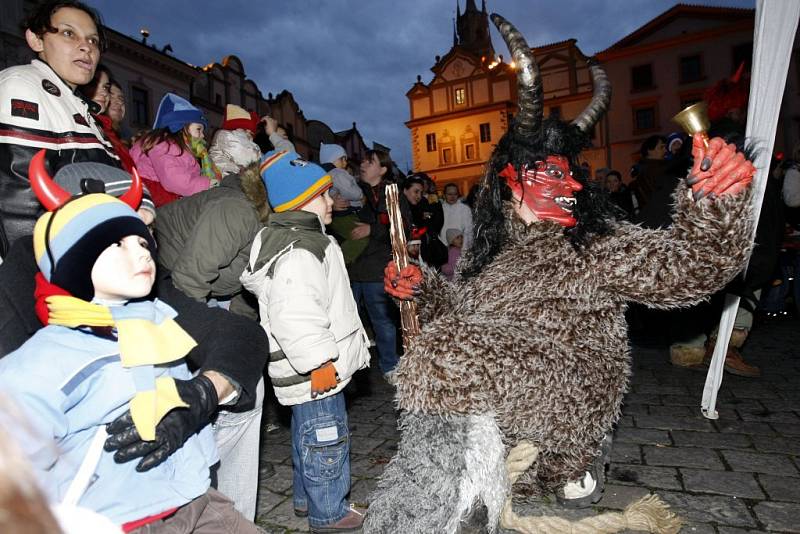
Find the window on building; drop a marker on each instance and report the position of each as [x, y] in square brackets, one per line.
[430, 142]
[690, 68]
[460, 96]
[218, 99]
[742, 53]
[139, 113]
[644, 118]
[642, 77]
[447, 156]
[486, 132]
[469, 152]
[555, 112]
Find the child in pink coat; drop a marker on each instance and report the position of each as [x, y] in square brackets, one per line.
[456, 240]
[167, 156]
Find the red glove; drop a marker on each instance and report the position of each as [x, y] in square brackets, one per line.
[718, 169]
[323, 379]
[404, 284]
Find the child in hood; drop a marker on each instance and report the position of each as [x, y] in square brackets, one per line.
[232, 148]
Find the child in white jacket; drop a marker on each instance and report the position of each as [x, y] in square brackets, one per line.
[316, 337]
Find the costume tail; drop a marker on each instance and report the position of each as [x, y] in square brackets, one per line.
[448, 476]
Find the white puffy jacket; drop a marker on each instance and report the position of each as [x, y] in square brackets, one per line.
[310, 316]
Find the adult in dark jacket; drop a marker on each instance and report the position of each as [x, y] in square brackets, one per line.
[427, 219]
[652, 168]
[204, 239]
[366, 271]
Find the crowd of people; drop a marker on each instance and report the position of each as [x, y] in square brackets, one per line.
[224, 295]
[149, 286]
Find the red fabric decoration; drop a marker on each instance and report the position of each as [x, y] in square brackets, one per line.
[728, 94]
[43, 290]
[160, 195]
[116, 142]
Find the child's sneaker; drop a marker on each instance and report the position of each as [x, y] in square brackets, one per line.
[352, 522]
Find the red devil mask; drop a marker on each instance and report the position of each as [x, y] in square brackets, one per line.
[547, 189]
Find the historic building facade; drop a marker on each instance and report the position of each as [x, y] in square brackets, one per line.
[668, 63]
[458, 117]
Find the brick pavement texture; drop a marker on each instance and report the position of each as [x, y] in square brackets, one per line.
[737, 474]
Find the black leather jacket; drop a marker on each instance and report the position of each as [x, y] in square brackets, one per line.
[39, 110]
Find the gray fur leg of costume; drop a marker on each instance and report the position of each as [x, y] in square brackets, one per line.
[446, 471]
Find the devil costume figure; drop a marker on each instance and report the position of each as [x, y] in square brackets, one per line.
[538, 303]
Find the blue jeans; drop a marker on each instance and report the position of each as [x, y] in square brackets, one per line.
[382, 314]
[321, 459]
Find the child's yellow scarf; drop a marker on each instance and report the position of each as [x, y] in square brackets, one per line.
[146, 337]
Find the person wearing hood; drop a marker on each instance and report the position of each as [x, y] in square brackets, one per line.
[232, 148]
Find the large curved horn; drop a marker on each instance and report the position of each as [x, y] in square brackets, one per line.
[49, 193]
[529, 81]
[601, 96]
[133, 196]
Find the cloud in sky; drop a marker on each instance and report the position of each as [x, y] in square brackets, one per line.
[351, 61]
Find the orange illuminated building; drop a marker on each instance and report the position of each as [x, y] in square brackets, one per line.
[458, 117]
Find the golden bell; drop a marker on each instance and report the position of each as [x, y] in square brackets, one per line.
[694, 119]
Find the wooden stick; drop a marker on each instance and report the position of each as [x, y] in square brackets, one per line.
[408, 308]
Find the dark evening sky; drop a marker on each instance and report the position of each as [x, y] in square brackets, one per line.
[354, 60]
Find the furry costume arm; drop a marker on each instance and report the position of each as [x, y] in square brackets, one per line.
[706, 246]
[438, 296]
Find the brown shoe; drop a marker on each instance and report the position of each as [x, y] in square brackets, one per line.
[352, 522]
[735, 365]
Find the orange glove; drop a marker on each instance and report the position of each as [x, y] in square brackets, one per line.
[403, 285]
[718, 169]
[323, 379]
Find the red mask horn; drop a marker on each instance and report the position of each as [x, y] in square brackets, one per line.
[133, 196]
[47, 191]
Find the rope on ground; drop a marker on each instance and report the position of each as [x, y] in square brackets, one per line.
[649, 514]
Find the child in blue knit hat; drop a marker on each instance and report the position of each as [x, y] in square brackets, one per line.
[307, 309]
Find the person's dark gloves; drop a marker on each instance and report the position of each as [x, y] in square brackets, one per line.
[171, 432]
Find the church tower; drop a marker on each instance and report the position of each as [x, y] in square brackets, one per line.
[472, 28]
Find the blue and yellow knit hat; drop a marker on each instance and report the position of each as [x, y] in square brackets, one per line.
[68, 241]
[291, 181]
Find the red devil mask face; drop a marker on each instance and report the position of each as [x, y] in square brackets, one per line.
[547, 189]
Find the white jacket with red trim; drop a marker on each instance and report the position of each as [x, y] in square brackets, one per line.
[39, 110]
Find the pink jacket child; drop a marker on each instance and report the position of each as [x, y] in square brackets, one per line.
[164, 155]
[456, 239]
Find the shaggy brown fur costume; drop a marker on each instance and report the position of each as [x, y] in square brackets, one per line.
[529, 343]
[539, 336]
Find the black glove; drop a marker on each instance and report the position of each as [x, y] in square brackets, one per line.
[171, 432]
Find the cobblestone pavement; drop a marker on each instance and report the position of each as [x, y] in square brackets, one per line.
[737, 474]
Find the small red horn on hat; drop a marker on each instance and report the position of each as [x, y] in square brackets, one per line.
[49, 193]
[133, 196]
